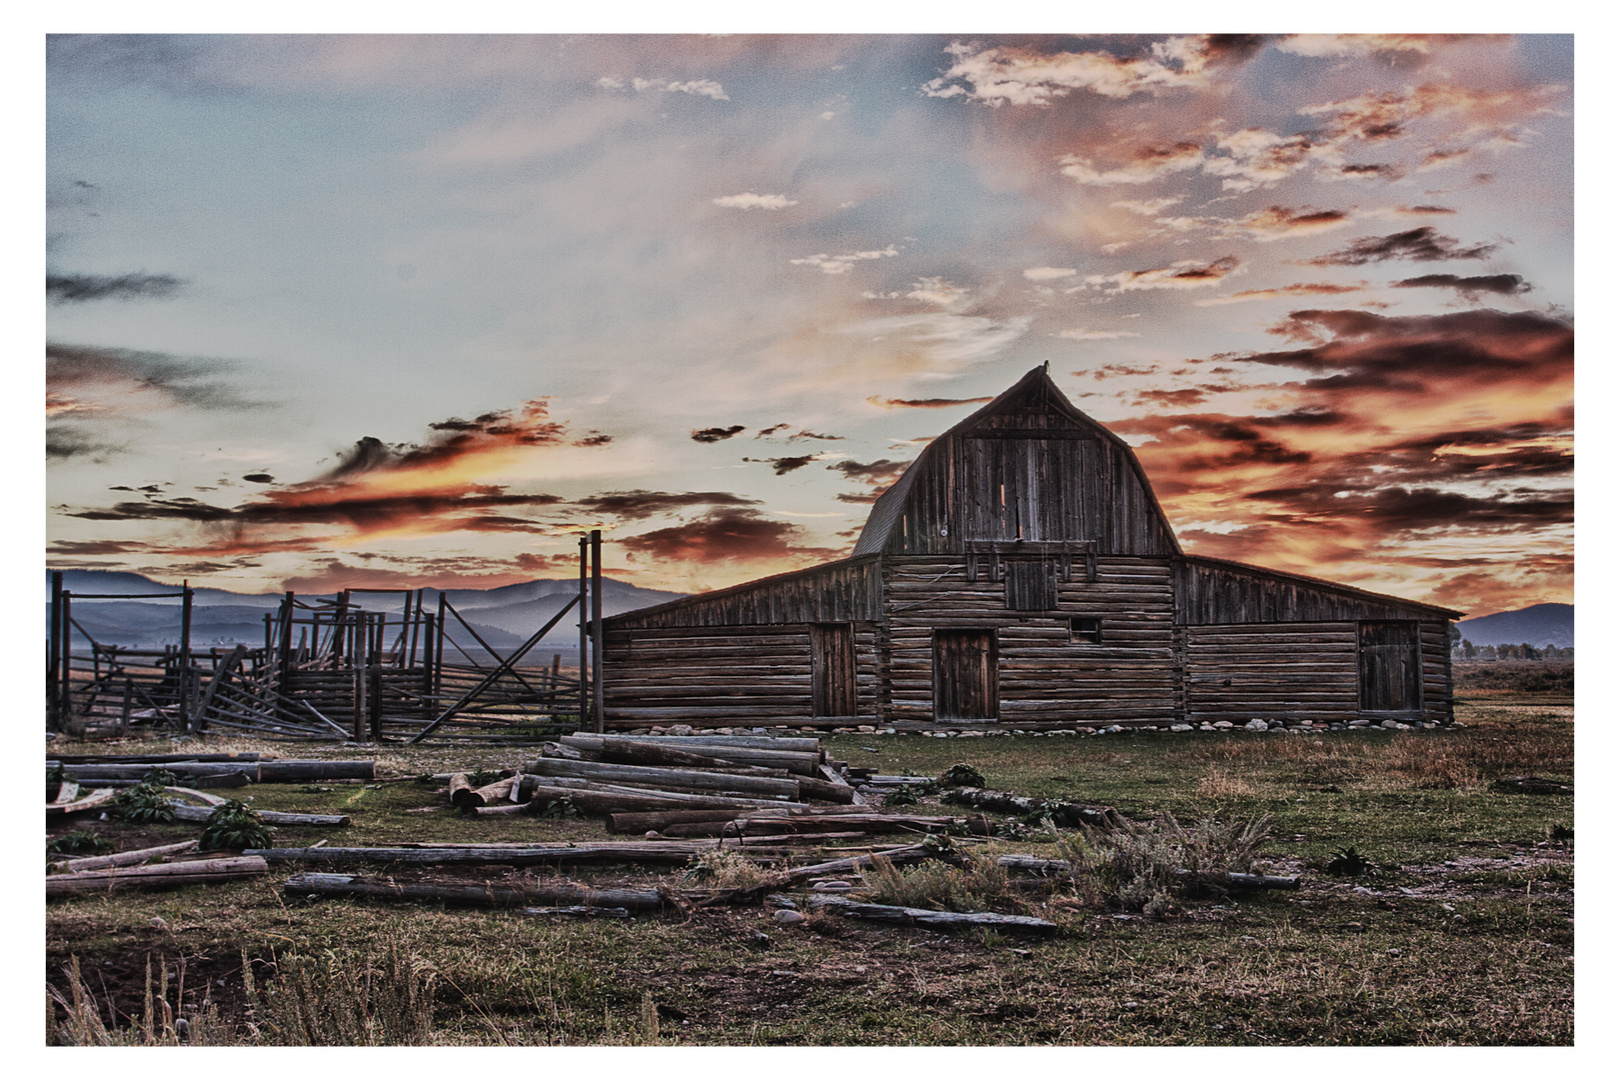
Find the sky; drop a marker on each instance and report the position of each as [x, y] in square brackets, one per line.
[336, 310]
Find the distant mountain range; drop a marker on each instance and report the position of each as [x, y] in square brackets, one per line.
[504, 617]
[1539, 625]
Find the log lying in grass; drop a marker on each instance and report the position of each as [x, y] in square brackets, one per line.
[297, 772]
[183, 812]
[755, 786]
[588, 912]
[596, 797]
[123, 858]
[149, 759]
[645, 851]
[897, 855]
[801, 760]
[93, 801]
[1062, 813]
[657, 820]
[66, 793]
[484, 796]
[811, 788]
[197, 872]
[800, 743]
[934, 920]
[804, 823]
[626, 752]
[185, 770]
[460, 787]
[474, 894]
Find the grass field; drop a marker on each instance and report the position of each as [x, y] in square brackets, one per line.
[1462, 932]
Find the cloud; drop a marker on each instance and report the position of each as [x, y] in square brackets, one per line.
[841, 264]
[491, 434]
[715, 434]
[259, 478]
[595, 438]
[1013, 75]
[1317, 288]
[1049, 273]
[924, 403]
[1469, 288]
[639, 504]
[1422, 244]
[65, 442]
[1185, 274]
[1082, 334]
[781, 466]
[1145, 165]
[725, 535]
[1334, 45]
[78, 288]
[749, 201]
[197, 382]
[700, 87]
[1148, 207]
[943, 339]
[876, 475]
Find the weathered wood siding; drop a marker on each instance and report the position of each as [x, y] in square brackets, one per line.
[1042, 674]
[1270, 671]
[1213, 591]
[844, 591]
[721, 675]
[1299, 671]
[1028, 466]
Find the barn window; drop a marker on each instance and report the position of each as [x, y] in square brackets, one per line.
[1085, 631]
[1032, 585]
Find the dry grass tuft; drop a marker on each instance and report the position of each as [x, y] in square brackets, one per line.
[1220, 784]
[1148, 868]
[726, 869]
[979, 886]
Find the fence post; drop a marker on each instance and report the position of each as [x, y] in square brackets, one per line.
[53, 677]
[596, 630]
[185, 656]
[584, 626]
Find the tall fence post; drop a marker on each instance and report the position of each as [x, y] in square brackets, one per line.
[596, 630]
[53, 676]
[584, 629]
[185, 656]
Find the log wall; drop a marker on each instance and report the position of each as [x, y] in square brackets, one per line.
[722, 675]
[1043, 674]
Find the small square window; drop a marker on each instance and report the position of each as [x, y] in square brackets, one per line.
[1085, 631]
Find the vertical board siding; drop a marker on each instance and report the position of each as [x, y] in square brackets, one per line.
[832, 670]
[1213, 593]
[1043, 676]
[1272, 671]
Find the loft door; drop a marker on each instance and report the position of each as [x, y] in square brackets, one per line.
[965, 675]
[1391, 671]
[832, 669]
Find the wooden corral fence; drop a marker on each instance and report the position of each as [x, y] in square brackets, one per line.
[364, 665]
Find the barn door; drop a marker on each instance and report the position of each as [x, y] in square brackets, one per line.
[965, 675]
[1391, 671]
[832, 669]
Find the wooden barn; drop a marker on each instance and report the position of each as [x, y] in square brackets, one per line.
[1021, 573]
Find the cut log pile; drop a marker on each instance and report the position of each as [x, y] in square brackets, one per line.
[725, 776]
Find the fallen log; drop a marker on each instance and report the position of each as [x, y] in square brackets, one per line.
[897, 855]
[183, 812]
[489, 793]
[934, 920]
[294, 772]
[690, 778]
[473, 894]
[460, 787]
[647, 851]
[802, 762]
[658, 820]
[211, 800]
[802, 823]
[588, 912]
[94, 801]
[197, 872]
[801, 743]
[122, 858]
[811, 788]
[66, 793]
[1062, 813]
[187, 770]
[657, 755]
[148, 759]
[649, 798]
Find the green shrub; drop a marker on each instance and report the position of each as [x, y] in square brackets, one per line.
[961, 775]
[144, 804]
[234, 826]
[77, 843]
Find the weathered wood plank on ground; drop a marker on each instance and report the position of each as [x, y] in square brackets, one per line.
[473, 894]
[122, 858]
[196, 872]
[934, 920]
